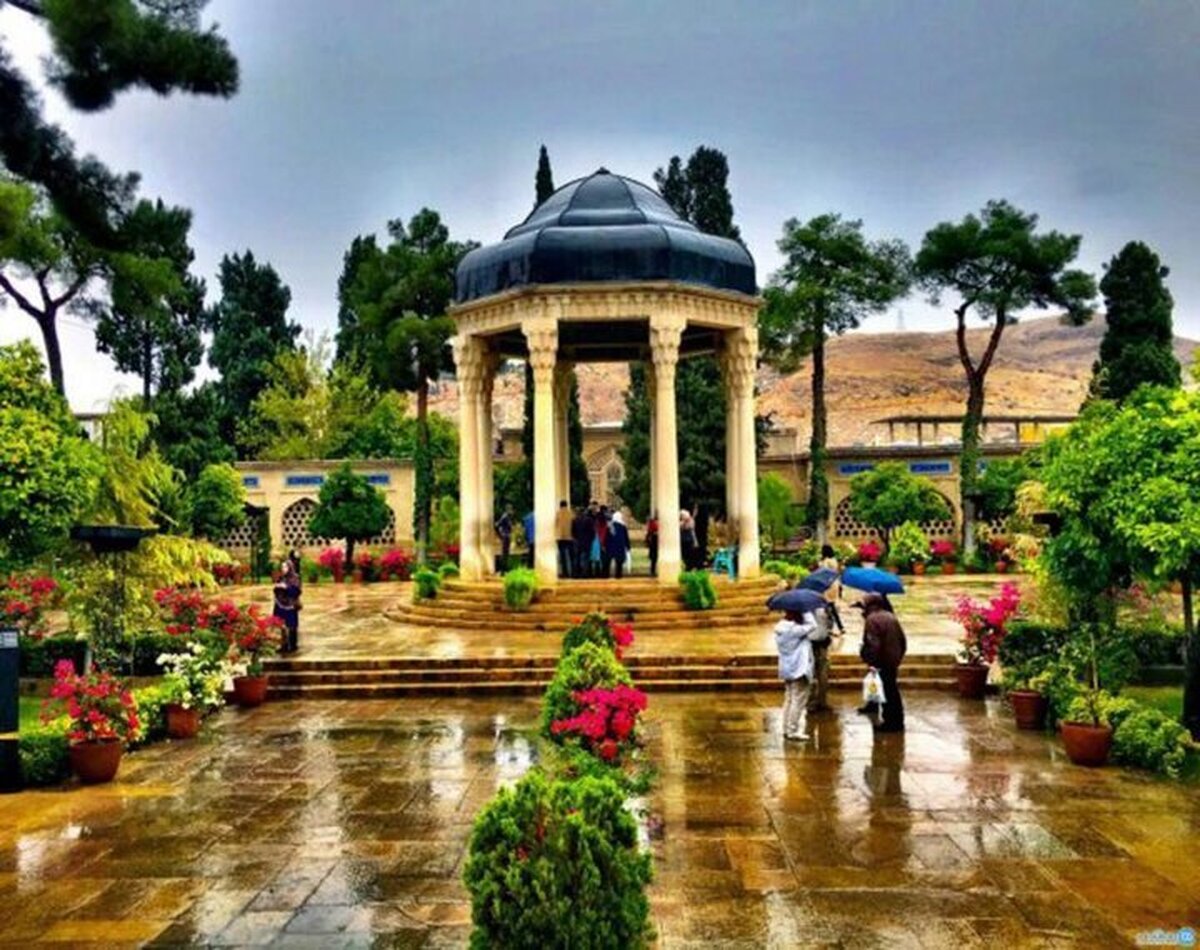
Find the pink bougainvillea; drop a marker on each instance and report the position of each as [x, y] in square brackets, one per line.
[24, 600]
[100, 708]
[607, 720]
[984, 625]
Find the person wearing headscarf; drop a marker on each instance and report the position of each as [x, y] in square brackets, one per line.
[796, 670]
[287, 606]
[883, 647]
[616, 543]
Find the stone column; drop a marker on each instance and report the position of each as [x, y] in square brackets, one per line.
[562, 442]
[651, 395]
[665, 332]
[468, 360]
[732, 448]
[743, 360]
[541, 335]
[487, 488]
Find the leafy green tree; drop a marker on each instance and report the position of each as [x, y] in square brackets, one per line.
[99, 50]
[216, 501]
[544, 180]
[50, 472]
[997, 487]
[401, 295]
[249, 325]
[349, 341]
[995, 266]
[1138, 346]
[187, 428]
[136, 483]
[889, 495]
[832, 280]
[47, 269]
[153, 322]
[777, 516]
[1124, 483]
[349, 507]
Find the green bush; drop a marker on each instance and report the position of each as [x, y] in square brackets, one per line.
[557, 864]
[426, 584]
[520, 585]
[587, 666]
[1157, 645]
[593, 628]
[910, 545]
[789, 571]
[43, 752]
[1026, 640]
[38, 657]
[151, 704]
[448, 569]
[1145, 737]
[698, 590]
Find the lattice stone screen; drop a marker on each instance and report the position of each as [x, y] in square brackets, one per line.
[240, 538]
[297, 515]
[849, 528]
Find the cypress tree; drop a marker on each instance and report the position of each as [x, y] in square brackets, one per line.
[1138, 345]
[545, 178]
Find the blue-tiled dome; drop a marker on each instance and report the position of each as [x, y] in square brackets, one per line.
[604, 228]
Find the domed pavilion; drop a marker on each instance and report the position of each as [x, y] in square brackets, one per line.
[603, 271]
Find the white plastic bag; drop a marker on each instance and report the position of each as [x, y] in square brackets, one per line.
[873, 688]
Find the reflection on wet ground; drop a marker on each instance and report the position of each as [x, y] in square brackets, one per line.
[345, 824]
[346, 620]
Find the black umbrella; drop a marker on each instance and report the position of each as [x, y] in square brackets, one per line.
[796, 600]
[820, 580]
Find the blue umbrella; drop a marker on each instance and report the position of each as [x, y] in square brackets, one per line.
[798, 600]
[872, 580]
[820, 580]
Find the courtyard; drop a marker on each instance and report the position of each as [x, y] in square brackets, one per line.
[345, 825]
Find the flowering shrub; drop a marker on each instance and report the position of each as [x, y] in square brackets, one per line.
[334, 561]
[99, 707]
[24, 601]
[869, 551]
[395, 564]
[180, 608]
[194, 679]
[943, 550]
[984, 624]
[252, 637]
[228, 574]
[450, 551]
[599, 629]
[606, 722]
[588, 666]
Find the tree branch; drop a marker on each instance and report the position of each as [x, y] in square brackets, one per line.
[76, 286]
[960, 336]
[23, 302]
[1001, 319]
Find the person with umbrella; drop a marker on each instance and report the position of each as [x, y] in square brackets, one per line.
[883, 649]
[796, 670]
[833, 592]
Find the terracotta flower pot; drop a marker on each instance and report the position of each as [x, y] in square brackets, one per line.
[96, 762]
[918, 568]
[948, 567]
[972, 680]
[1029, 708]
[182, 723]
[250, 690]
[1001, 567]
[1087, 744]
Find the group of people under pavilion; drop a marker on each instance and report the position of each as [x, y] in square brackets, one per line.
[603, 271]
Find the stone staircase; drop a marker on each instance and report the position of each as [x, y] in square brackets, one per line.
[480, 605]
[484, 676]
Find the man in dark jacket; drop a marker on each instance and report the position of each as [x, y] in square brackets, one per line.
[883, 648]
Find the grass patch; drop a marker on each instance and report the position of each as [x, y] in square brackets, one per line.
[31, 711]
[1166, 699]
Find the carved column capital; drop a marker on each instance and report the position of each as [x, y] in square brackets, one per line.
[739, 360]
[469, 356]
[666, 330]
[541, 336]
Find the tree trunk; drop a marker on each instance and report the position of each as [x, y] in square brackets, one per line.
[350, 556]
[422, 477]
[1191, 689]
[147, 369]
[969, 460]
[818, 481]
[49, 327]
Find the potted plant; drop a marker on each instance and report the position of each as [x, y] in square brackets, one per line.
[983, 630]
[193, 682]
[943, 552]
[909, 548]
[103, 717]
[251, 640]
[1025, 686]
[869, 553]
[1086, 731]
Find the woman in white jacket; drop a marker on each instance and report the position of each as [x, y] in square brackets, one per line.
[796, 670]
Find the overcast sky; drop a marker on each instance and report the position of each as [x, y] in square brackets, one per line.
[903, 114]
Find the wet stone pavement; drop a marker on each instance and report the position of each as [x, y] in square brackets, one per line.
[345, 825]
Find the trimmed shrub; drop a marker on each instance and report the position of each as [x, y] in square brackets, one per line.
[426, 584]
[698, 590]
[557, 864]
[588, 666]
[593, 628]
[520, 585]
[43, 752]
[1149, 739]
[448, 569]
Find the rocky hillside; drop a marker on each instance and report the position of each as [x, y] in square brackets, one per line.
[1042, 367]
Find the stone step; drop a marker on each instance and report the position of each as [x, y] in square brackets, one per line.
[548, 660]
[559, 623]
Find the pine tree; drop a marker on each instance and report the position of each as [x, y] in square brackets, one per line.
[1138, 346]
[349, 339]
[544, 182]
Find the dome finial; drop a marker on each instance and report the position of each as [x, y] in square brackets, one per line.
[603, 171]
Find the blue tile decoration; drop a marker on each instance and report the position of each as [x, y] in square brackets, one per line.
[303, 481]
[249, 481]
[854, 468]
[929, 468]
[379, 478]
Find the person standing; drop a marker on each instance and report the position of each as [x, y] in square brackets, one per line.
[818, 695]
[601, 546]
[582, 532]
[504, 531]
[652, 542]
[883, 649]
[617, 543]
[287, 606]
[795, 669]
[833, 592]
[687, 538]
[564, 538]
